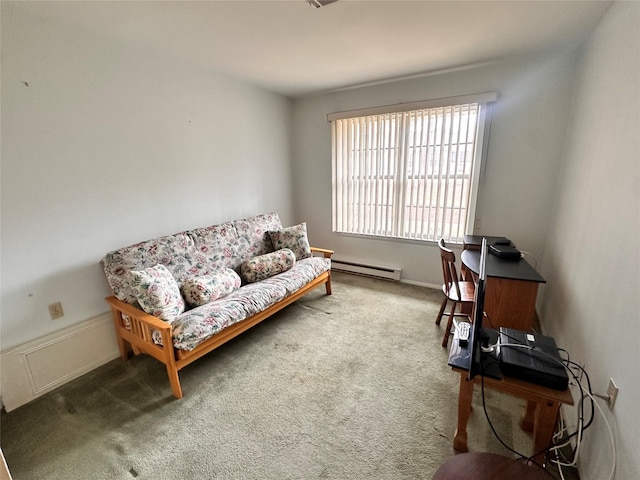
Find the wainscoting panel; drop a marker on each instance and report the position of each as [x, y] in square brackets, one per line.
[37, 367]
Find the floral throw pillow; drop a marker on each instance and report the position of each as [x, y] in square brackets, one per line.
[198, 291]
[157, 292]
[265, 266]
[293, 238]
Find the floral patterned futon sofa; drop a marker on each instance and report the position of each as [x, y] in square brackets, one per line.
[178, 297]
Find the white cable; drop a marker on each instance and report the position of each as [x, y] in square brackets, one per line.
[580, 432]
[593, 399]
[563, 427]
[580, 426]
[560, 471]
[577, 450]
[611, 436]
[556, 448]
[535, 260]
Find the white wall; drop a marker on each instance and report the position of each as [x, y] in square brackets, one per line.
[110, 144]
[592, 260]
[517, 191]
[569, 196]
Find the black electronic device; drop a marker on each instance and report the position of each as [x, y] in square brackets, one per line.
[501, 241]
[506, 252]
[482, 358]
[532, 357]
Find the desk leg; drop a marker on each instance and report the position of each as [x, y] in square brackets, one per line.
[465, 396]
[528, 417]
[465, 275]
[544, 427]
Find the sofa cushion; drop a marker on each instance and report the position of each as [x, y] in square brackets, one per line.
[253, 236]
[157, 292]
[264, 266]
[175, 252]
[198, 324]
[206, 288]
[194, 326]
[302, 273]
[293, 238]
[193, 253]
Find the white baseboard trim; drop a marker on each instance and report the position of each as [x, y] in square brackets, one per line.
[39, 366]
[422, 284]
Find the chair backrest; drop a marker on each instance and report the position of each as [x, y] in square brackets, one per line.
[449, 271]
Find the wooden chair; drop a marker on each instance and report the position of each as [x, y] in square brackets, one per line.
[457, 291]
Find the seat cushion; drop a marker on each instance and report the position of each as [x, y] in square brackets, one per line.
[302, 273]
[198, 324]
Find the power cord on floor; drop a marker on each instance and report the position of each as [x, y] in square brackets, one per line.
[504, 444]
[562, 438]
[611, 438]
[554, 448]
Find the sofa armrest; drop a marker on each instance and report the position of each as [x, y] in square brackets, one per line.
[325, 252]
[136, 327]
[138, 314]
[137, 331]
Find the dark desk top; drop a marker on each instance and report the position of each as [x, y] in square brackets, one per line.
[460, 359]
[476, 240]
[500, 268]
[460, 356]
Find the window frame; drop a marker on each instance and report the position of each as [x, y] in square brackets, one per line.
[484, 113]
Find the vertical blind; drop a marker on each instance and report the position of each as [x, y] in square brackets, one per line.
[409, 174]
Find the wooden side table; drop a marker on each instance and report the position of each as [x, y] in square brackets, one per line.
[487, 466]
[539, 417]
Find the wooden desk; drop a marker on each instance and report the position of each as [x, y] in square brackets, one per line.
[474, 242]
[511, 290]
[539, 417]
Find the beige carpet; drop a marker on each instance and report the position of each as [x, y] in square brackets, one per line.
[349, 386]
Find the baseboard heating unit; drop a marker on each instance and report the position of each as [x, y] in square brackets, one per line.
[387, 273]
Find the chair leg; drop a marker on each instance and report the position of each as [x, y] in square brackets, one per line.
[447, 332]
[442, 307]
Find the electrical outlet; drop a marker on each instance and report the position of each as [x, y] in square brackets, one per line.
[55, 310]
[612, 393]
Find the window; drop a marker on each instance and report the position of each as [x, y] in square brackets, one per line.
[409, 171]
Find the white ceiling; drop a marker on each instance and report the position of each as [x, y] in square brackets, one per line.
[292, 48]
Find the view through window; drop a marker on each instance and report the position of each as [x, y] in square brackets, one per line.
[410, 174]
